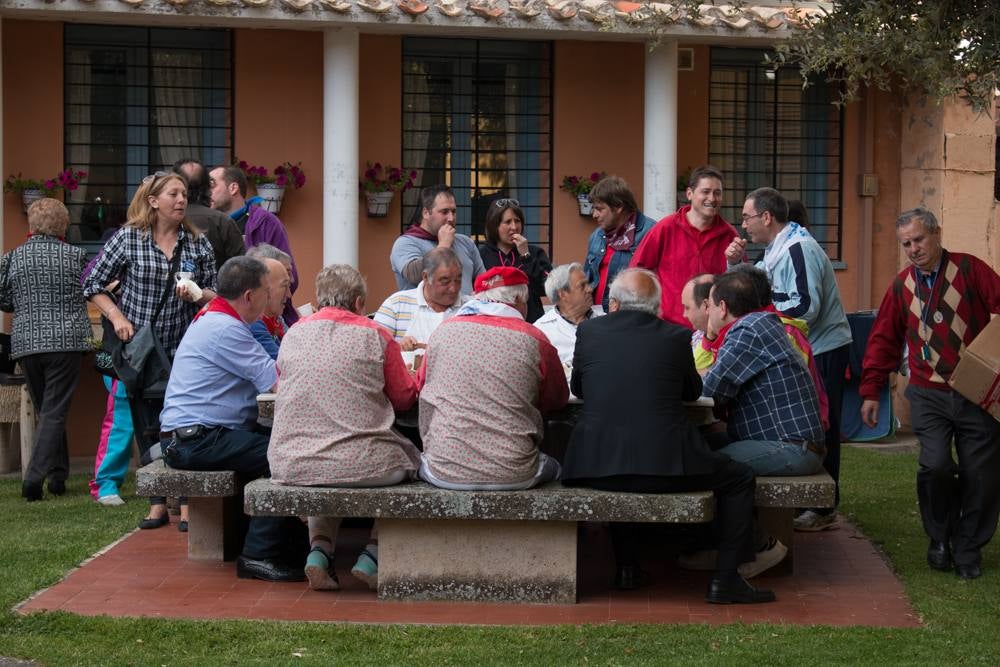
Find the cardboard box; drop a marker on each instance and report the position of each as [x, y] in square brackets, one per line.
[977, 376]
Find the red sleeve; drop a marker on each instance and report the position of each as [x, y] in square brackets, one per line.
[647, 255]
[421, 378]
[885, 346]
[400, 386]
[988, 285]
[554, 391]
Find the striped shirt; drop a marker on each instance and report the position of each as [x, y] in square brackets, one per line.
[399, 312]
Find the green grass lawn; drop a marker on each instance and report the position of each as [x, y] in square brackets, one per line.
[41, 541]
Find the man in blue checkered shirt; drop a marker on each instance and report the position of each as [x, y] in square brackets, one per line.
[761, 381]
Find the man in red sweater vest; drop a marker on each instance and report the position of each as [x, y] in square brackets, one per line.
[937, 307]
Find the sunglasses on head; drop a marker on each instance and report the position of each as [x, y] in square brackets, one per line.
[501, 203]
[154, 176]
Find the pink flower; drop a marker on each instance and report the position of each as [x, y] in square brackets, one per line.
[281, 180]
[279, 170]
[595, 177]
[370, 174]
[243, 165]
[72, 185]
[413, 174]
[50, 184]
[300, 179]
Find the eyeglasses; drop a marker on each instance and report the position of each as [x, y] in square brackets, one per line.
[748, 218]
[154, 176]
[502, 203]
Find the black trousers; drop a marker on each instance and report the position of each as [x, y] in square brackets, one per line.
[832, 365]
[958, 503]
[51, 378]
[733, 484]
[246, 453]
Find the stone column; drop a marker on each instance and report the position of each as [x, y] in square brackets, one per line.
[340, 146]
[659, 180]
[948, 155]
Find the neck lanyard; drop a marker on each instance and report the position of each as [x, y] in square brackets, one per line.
[925, 307]
[513, 258]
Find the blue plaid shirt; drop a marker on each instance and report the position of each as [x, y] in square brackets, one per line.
[765, 384]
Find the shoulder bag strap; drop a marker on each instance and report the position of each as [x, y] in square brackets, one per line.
[175, 264]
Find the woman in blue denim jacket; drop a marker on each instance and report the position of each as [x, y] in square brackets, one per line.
[621, 227]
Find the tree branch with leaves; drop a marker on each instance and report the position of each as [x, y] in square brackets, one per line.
[940, 48]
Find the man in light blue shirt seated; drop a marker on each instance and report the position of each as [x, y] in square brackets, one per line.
[210, 410]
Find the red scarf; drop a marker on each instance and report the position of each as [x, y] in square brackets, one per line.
[218, 305]
[420, 233]
[714, 346]
[623, 236]
[274, 327]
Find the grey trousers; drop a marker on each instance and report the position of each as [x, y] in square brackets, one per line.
[958, 503]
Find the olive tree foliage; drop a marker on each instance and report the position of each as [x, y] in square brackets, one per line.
[940, 48]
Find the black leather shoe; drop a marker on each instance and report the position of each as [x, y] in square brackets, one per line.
[734, 589]
[267, 570]
[939, 556]
[149, 524]
[31, 491]
[57, 487]
[629, 578]
[968, 572]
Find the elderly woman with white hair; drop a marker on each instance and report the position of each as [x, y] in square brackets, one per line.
[40, 284]
[488, 379]
[342, 378]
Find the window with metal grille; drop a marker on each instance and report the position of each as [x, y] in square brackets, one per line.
[477, 116]
[136, 100]
[766, 130]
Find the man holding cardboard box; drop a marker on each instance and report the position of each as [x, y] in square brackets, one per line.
[937, 307]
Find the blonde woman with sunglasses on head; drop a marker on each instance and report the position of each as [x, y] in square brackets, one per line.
[506, 246]
[143, 254]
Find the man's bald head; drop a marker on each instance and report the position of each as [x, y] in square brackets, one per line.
[635, 289]
[694, 299]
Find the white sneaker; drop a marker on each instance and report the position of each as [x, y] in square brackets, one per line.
[813, 522]
[767, 558]
[111, 500]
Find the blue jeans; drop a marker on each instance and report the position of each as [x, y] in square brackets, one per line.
[773, 457]
[246, 453]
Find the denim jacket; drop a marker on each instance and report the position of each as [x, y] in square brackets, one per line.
[621, 259]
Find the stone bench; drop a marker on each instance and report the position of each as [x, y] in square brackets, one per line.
[508, 545]
[778, 497]
[436, 544]
[214, 514]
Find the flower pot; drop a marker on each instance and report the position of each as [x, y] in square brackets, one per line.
[272, 195]
[378, 203]
[586, 207]
[30, 196]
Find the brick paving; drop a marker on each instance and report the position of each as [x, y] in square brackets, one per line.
[840, 580]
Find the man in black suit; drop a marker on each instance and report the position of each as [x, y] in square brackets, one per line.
[633, 370]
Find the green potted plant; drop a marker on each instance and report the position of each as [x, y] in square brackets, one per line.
[380, 184]
[271, 186]
[580, 187]
[31, 190]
